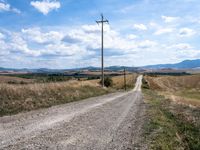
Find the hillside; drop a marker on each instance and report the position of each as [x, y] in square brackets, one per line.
[186, 64]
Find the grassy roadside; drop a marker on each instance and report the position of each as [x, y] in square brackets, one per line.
[15, 98]
[170, 126]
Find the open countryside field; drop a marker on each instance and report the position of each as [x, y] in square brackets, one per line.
[185, 89]
[173, 112]
[15, 98]
[9, 79]
[118, 81]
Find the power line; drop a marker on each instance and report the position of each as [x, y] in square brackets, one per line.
[102, 21]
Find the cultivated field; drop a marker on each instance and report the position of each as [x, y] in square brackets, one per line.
[19, 97]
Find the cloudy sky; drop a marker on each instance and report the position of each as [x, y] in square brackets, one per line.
[64, 34]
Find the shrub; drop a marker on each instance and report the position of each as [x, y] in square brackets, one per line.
[93, 78]
[145, 84]
[107, 82]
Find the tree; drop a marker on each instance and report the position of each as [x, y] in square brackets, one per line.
[107, 81]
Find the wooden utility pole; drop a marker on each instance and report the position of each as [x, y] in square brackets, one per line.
[102, 21]
[124, 79]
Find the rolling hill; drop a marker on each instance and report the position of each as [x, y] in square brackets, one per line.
[186, 64]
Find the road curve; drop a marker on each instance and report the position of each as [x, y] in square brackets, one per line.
[111, 121]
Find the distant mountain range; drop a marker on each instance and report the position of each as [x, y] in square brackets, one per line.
[186, 64]
[46, 70]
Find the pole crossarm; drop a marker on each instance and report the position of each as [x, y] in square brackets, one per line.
[104, 21]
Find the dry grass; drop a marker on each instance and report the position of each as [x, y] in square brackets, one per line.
[9, 79]
[15, 98]
[18, 98]
[181, 89]
[118, 81]
[170, 125]
[173, 83]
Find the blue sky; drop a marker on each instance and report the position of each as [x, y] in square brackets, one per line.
[63, 33]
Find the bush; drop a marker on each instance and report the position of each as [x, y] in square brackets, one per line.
[145, 84]
[93, 78]
[107, 82]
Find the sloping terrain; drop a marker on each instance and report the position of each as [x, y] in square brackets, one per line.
[174, 82]
[186, 64]
[173, 112]
[182, 89]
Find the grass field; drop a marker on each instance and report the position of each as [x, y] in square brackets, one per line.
[184, 89]
[16, 80]
[15, 98]
[118, 81]
[173, 112]
[171, 126]
[33, 78]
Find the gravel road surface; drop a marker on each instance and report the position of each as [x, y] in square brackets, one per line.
[111, 121]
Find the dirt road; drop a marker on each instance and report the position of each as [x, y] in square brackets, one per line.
[111, 121]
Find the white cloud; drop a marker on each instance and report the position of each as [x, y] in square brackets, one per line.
[16, 10]
[75, 42]
[181, 46]
[2, 36]
[64, 50]
[90, 37]
[169, 19]
[139, 27]
[146, 44]
[19, 45]
[46, 6]
[3, 48]
[186, 32]
[93, 28]
[81, 46]
[6, 7]
[180, 51]
[154, 25]
[164, 31]
[35, 34]
[132, 36]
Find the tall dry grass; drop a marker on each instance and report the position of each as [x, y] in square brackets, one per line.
[173, 83]
[9, 79]
[18, 98]
[181, 89]
[118, 81]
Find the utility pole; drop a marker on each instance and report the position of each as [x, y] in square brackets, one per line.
[124, 78]
[102, 21]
